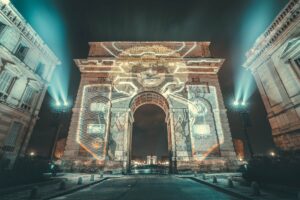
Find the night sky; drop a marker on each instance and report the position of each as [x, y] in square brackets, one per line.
[231, 25]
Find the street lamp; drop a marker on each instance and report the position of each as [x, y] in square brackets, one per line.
[241, 107]
[58, 103]
[272, 153]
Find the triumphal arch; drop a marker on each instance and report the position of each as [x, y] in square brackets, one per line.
[119, 77]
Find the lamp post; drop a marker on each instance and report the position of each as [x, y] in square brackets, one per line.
[60, 110]
[241, 108]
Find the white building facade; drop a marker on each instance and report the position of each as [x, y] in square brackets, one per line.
[26, 67]
[274, 61]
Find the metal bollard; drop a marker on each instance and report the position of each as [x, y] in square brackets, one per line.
[62, 185]
[230, 183]
[195, 174]
[255, 188]
[92, 177]
[215, 180]
[34, 192]
[101, 174]
[203, 177]
[79, 182]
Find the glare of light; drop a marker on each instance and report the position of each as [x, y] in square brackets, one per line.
[58, 103]
[66, 103]
[243, 103]
[236, 103]
[5, 1]
[32, 153]
[272, 153]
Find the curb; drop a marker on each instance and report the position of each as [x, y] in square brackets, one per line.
[74, 189]
[221, 189]
[27, 187]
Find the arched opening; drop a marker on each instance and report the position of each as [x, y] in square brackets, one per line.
[150, 140]
[149, 136]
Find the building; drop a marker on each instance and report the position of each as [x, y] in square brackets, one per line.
[60, 148]
[119, 77]
[151, 160]
[26, 67]
[274, 61]
[239, 148]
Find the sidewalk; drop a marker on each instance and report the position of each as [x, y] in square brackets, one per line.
[244, 192]
[52, 190]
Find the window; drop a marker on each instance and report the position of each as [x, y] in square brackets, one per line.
[40, 69]
[7, 81]
[28, 96]
[2, 27]
[12, 137]
[21, 52]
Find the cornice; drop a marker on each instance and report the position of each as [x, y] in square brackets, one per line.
[283, 23]
[15, 18]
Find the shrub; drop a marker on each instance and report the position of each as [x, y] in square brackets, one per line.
[26, 170]
[280, 169]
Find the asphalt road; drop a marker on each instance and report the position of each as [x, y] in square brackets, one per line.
[147, 187]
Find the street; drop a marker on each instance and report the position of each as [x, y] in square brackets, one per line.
[147, 187]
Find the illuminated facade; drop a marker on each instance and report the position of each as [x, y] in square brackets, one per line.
[179, 77]
[26, 66]
[274, 61]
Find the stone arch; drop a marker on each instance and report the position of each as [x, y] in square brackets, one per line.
[149, 97]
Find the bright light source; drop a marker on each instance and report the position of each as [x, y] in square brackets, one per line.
[243, 103]
[32, 153]
[5, 1]
[272, 153]
[66, 103]
[58, 103]
[236, 103]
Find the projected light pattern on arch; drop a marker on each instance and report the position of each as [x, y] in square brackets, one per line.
[204, 134]
[94, 119]
[131, 74]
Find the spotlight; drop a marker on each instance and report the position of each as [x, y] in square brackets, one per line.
[32, 153]
[236, 103]
[66, 103]
[243, 103]
[58, 103]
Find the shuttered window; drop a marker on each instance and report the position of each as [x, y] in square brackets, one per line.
[28, 96]
[2, 27]
[6, 82]
[14, 132]
[21, 52]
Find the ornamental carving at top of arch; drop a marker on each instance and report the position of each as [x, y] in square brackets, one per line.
[152, 51]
